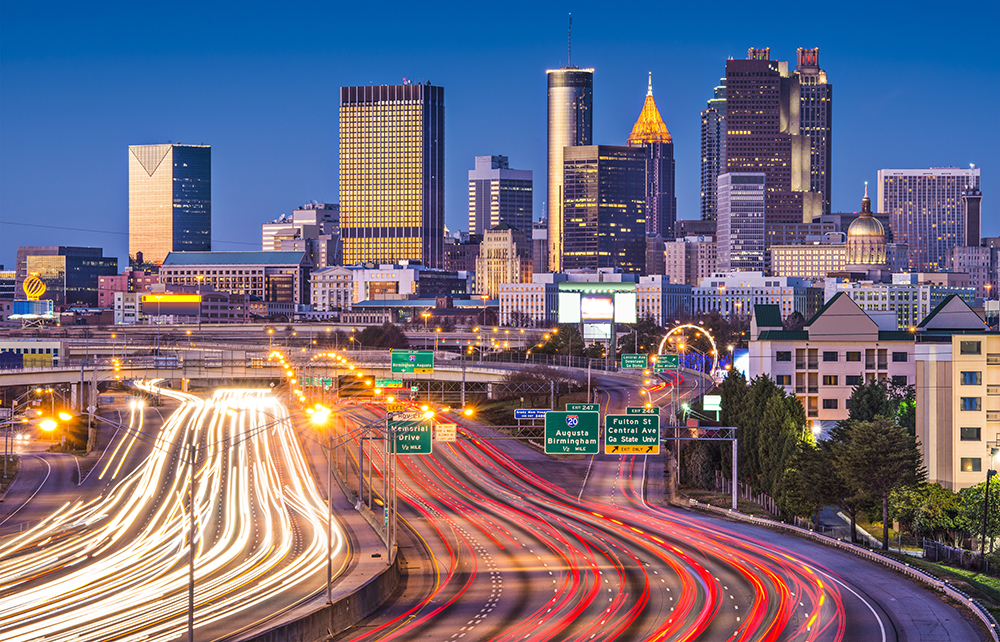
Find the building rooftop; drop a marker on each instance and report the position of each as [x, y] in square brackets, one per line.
[234, 258]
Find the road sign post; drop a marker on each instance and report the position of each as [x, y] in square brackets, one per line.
[572, 432]
[632, 434]
[411, 437]
[634, 361]
[412, 361]
[666, 362]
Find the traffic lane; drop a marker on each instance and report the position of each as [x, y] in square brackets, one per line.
[907, 610]
[46, 483]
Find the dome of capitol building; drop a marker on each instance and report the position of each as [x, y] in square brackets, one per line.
[866, 244]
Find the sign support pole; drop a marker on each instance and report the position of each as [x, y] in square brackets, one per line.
[735, 476]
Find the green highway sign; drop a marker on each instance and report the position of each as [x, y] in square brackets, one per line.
[712, 402]
[642, 410]
[632, 435]
[411, 361]
[634, 361]
[572, 433]
[388, 383]
[412, 437]
[665, 362]
[583, 407]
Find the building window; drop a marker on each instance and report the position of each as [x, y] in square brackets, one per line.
[971, 434]
[972, 465]
[899, 380]
[972, 378]
[852, 380]
[829, 356]
[829, 404]
[854, 356]
[969, 347]
[830, 380]
[783, 356]
[783, 380]
[971, 403]
[899, 357]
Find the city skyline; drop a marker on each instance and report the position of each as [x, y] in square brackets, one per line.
[268, 103]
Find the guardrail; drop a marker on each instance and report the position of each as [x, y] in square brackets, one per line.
[921, 576]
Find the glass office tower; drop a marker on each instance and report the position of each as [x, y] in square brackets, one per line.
[571, 115]
[169, 200]
[392, 174]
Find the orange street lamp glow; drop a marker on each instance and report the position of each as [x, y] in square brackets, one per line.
[48, 425]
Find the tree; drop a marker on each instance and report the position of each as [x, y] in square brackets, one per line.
[879, 456]
[783, 433]
[565, 339]
[972, 510]
[869, 400]
[795, 321]
[734, 393]
[805, 485]
[384, 336]
[928, 510]
[648, 340]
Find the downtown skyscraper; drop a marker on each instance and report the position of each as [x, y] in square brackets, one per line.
[816, 121]
[169, 200]
[499, 194]
[713, 151]
[763, 134]
[392, 174]
[650, 133]
[926, 211]
[570, 124]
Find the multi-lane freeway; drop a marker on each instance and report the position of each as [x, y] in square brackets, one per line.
[116, 566]
[500, 541]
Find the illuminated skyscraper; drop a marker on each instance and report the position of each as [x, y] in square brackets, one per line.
[650, 133]
[392, 174]
[816, 121]
[763, 135]
[499, 194]
[605, 208]
[925, 208]
[571, 107]
[169, 200]
[713, 151]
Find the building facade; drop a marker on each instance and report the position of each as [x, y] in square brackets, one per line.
[713, 151]
[540, 246]
[840, 347]
[570, 123]
[651, 134]
[498, 194]
[690, 259]
[128, 281]
[909, 298]
[331, 289]
[169, 200]
[70, 274]
[604, 201]
[925, 211]
[734, 294]
[974, 261]
[741, 211]
[810, 261]
[392, 174]
[281, 277]
[535, 303]
[656, 297]
[396, 281]
[816, 121]
[503, 258]
[958, 394]
[763, 134]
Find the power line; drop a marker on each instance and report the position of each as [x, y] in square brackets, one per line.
[80, 229]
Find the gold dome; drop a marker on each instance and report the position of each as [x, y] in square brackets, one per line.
[866, 238]
[865, 226]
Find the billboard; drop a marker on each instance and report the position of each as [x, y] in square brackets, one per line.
[597, 303]
[183, 305]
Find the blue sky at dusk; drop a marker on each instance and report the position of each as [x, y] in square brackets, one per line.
[916, 84]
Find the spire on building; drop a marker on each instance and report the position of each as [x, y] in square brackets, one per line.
[650, 127]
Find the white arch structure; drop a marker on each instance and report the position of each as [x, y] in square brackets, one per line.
[698, 328]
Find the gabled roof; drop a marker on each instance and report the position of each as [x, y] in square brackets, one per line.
[767, 316]
[841, 319]
[826, 306]
[234, 258]
[784, 335]
[952, 314]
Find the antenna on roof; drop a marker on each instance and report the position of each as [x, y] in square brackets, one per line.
[569, 44]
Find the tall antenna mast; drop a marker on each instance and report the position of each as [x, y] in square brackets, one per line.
[569, 46]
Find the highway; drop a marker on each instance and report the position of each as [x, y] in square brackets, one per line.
[509, 544]
[112, 563]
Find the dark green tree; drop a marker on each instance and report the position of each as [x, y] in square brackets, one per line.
[928, 510]
[648, 340]
[734, 392]
[805, 485]
[878, 457]
[972, 509]
[783, 433]
[869, 400]
[384, 336]
[563, 340]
